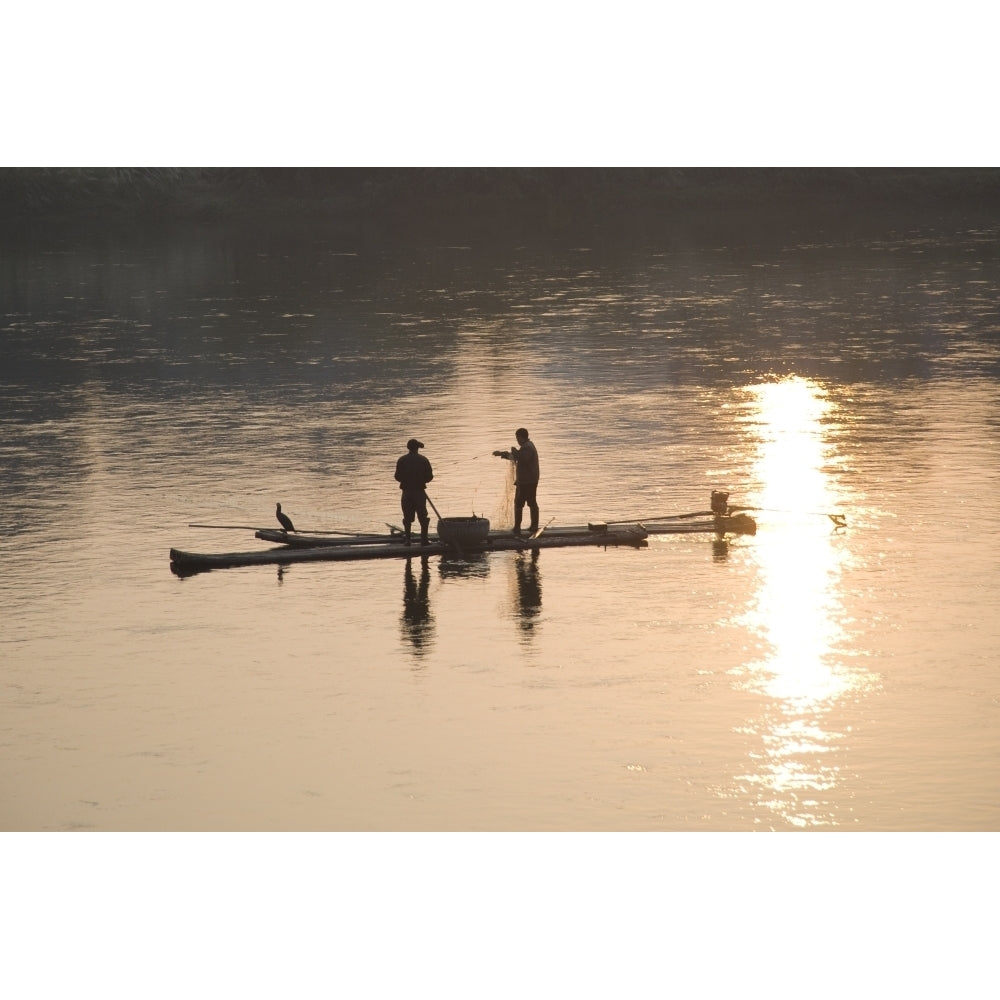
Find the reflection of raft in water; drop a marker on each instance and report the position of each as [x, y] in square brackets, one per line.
[465, 535]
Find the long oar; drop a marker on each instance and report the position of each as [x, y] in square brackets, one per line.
[302, 531]
[433, 508]
[227, 527]
[665, 517]
[840, 520]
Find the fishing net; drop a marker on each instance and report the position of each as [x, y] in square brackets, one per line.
[503, 516]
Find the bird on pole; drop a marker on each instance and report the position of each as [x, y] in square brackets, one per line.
[283, 519]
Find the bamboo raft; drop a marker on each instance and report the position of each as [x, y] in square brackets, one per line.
[319, 548]
[295, 547]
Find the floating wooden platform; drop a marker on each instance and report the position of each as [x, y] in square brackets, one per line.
[738, 524]
[301, 547]
[343, 548]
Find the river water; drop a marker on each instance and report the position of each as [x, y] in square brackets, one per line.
[810, 677]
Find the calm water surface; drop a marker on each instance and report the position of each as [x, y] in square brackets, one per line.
[809, 677]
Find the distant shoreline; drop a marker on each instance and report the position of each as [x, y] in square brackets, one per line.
[529, 200]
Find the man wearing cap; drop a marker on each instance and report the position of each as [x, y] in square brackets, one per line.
[413, 473]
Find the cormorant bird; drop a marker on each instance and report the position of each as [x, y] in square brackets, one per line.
[283, 519]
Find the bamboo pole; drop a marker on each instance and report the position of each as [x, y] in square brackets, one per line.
[301, 531]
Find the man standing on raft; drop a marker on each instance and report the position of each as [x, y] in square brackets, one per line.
[525, 459]
[413, 473]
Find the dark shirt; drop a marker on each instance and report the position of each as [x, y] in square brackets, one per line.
[526, 463]
[413, 472]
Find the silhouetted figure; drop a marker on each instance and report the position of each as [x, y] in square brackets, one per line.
[283, 519]
[526, 475]
[413, 473]
[417, 622]
[529, 589]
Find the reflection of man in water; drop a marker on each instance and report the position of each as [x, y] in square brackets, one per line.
[525, 459]
[418, 626]
[413, 473]
[529, 589]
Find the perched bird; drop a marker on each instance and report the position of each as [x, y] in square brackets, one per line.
[284, 520]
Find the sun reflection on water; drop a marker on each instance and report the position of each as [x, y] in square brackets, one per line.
[795, 613]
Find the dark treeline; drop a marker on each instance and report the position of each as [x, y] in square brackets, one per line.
[544, 196]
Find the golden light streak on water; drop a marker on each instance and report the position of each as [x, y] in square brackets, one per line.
[795, 612]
